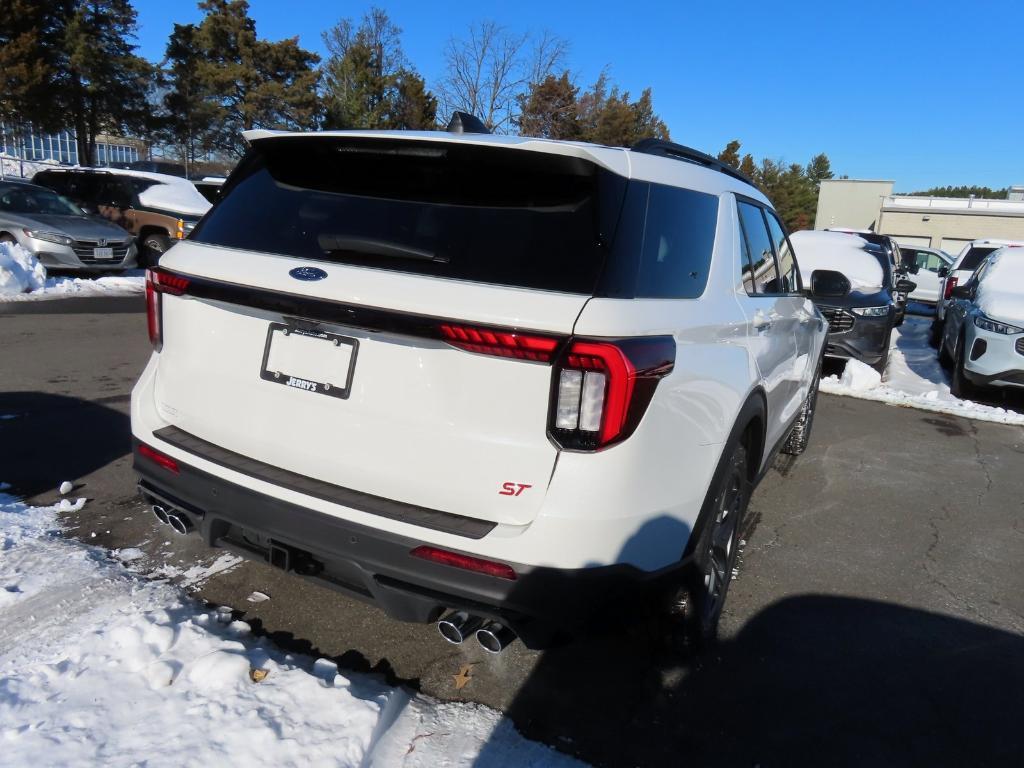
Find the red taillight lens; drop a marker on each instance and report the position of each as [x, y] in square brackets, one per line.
[158, 282]
[454, 559]
[603, 388]
[498, 342]
[950, 285]
[158, 458]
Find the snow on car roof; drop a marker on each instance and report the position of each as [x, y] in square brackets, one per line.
[1001, 288]
[841, 252]
[171, 193]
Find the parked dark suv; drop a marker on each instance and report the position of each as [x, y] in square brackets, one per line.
[854, 286]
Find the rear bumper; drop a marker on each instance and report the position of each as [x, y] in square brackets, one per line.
[376, 566]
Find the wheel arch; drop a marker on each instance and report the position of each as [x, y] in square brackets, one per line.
[152, 229]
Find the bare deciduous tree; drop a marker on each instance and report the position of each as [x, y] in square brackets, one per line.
[487, 71]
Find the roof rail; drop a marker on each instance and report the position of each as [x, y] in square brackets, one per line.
[688, 155]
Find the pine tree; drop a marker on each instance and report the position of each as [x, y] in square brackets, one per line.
[106, 86]
[608, 117]
[549, 109]
[731, 154]
[188, 112]
[368, 81]
[748, 168]
[252, 83]
[32, 61]
[819, 169]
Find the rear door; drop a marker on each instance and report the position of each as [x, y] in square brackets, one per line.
[773, 316]
[381, 316]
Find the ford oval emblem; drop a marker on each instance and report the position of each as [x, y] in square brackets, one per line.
[307, 273]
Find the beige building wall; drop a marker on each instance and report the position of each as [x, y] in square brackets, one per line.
[853, 203]
[949, 230]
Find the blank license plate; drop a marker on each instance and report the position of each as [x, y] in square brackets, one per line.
[310, 360]
[103, 253]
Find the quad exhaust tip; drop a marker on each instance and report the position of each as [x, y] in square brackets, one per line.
[457, 626]
[494, 637]
[172, 517]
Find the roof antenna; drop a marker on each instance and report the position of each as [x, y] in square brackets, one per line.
[463, 122]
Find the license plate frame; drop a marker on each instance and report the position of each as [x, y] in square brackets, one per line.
[103, 253]
[329, 388]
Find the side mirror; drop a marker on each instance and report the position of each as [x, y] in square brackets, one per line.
[913, 268]
[906, 286]
[826, 283]
[943, 271]
[963, 292]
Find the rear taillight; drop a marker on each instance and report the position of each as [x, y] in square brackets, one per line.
[158, 282]
[487, 341]
[602, 388]
[950, 285]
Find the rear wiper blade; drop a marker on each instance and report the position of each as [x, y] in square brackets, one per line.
[372, 247]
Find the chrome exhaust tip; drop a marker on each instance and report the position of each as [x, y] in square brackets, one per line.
[494, 637]
[160, 513]
[180, 523]
[457, 626]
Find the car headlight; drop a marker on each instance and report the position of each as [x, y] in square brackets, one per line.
[871, 311]
[50, 237]
[988, 324]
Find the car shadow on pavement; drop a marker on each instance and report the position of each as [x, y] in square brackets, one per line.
[47, 438]
[810, 680]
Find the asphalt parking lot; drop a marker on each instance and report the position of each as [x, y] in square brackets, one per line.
[877, 619]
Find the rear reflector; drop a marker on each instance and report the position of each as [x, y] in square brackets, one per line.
[454, 559]
[158, 458]
[502, 343]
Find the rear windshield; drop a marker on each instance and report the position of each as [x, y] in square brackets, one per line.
[974, 256]
[484, 214]
[448, 210]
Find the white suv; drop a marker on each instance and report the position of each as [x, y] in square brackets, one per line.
[968, 260]
[983, 333]
[512, 377]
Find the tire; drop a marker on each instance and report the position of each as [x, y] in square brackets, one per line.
[697, 602]
[884, 359]
[945, 359]
[935, 334]
[6, 238]
[959, 386]
[154, 245]
[800, 434]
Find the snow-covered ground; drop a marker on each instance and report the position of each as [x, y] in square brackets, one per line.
[99, 666]
[913, 378]
[23, 278]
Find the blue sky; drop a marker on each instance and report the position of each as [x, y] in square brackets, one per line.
[923, 93]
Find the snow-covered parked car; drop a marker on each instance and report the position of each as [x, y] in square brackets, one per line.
[983, 331]
[58, 233]
[513, 378]
[853, 285]
[159, 209]
[966, 262]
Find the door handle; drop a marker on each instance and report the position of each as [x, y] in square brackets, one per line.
[762, 324]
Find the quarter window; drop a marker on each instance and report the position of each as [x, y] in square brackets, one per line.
[784, 252]
[759, 245]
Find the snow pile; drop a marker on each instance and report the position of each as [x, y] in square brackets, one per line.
[13, 166]
[179, 196]
[20, 271]
[98, 667]
[63, 287]
[914, 379]
[1001, 290]
[840, 252]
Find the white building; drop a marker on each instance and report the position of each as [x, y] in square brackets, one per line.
[939, 222]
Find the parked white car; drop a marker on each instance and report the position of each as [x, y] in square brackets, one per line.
[508, 377]
[968, 260]
[924, 265]
[983, 331]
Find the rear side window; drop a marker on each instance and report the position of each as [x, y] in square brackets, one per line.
[55, 181]
[974, 256]
[664, 244]
[458, 211]
[759, 249]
